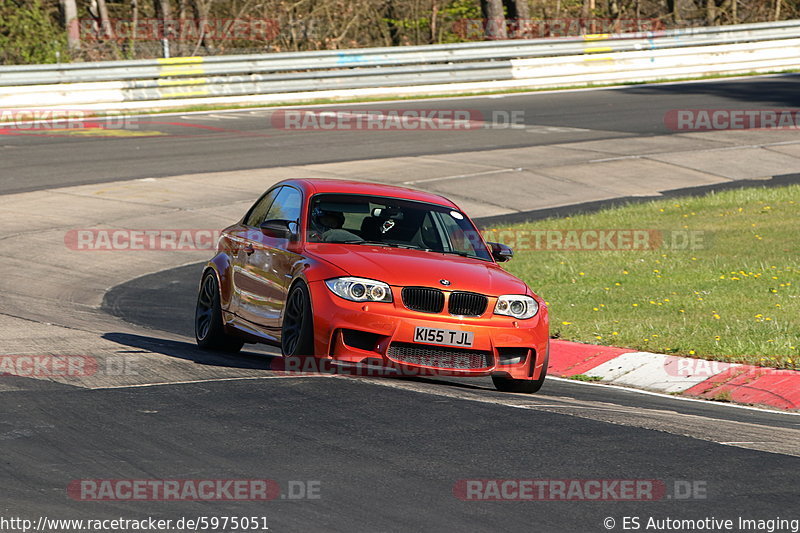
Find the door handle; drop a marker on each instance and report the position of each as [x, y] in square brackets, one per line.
[248, 249]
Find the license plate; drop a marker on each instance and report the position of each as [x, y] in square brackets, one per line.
[443, 337]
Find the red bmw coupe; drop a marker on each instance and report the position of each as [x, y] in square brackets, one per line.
[361, 274]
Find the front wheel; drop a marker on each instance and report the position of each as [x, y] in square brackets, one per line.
[209, 331]
[525, 386]
[297, 330]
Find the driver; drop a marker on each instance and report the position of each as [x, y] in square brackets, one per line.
[329, 225]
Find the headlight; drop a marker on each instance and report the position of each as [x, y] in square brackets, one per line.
[360, 289]
[516, 305]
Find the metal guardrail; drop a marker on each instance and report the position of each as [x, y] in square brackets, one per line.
[474, 62]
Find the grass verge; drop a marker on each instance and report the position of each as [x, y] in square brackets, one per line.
[718, 277]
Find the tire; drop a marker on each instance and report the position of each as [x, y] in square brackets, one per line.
[297, 329]
[209, 331]
[525, 386]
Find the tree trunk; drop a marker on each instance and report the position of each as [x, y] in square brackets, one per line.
[434, 22]
[495, 19]
[672, 10]
[390, 15]
[105, 22]
[201, 19]
[164, 15]
[134, 24]
[613, 9]
[70, 12]
[520, 13]
[711, 12]
[181, 27]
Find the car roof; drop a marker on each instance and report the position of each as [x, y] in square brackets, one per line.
[322, 185]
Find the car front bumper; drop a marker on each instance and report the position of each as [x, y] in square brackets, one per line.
[383, 334]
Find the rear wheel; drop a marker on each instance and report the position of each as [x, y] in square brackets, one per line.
[209, 331]
[297, 330]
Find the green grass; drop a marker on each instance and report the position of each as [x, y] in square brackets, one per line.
[584, 377]
[733, 298]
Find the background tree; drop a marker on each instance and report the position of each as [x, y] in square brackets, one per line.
[69, 13]
[33, 31]
[494, 15]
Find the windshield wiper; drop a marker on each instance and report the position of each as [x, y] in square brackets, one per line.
[389, 244]
[457, 252]
[413, 247]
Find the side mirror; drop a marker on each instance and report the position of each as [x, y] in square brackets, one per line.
[278, 228]
[501, 252]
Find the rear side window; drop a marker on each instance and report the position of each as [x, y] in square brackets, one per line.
[258, 213]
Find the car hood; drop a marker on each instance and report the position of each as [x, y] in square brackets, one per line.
[402, 267]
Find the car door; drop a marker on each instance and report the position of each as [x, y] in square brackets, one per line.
[244, 239]
[269, 268]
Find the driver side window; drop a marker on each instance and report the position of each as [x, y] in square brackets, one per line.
[258, 213]
[287, 205]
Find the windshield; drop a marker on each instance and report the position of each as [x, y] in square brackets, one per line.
[355, 219]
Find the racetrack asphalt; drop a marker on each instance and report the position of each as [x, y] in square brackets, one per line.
[211, 142]
[386, 453]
